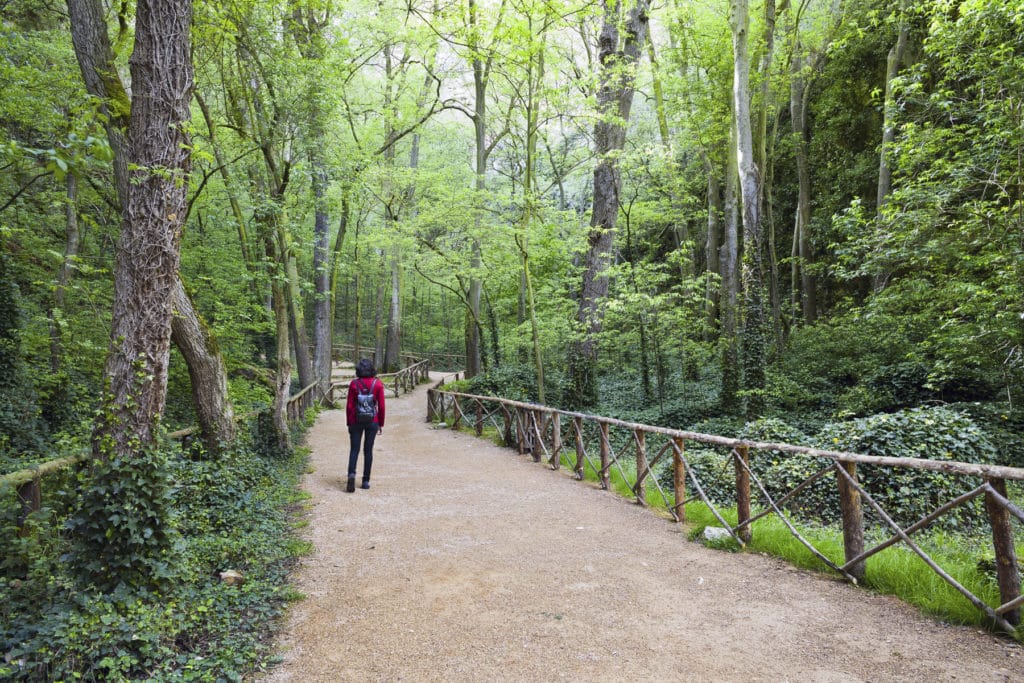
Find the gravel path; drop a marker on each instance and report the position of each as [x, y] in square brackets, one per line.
[466, 562]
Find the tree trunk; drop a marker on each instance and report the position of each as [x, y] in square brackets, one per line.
[535, 77]
[895, 60]
[614, 100]
[659, 94]
[283, 377]
[730, 285]
[766, 144]
[393, 343]
[95, 58]
[798, 118]
[307, 26]
[146, 262]
[897, 56]
[99, 72]
[267, 218]
[207, 372]
[293, 291]
[473, 336]
[378, 313]
[714, 241]
[323, 303]
[66, 269]
[754, 321]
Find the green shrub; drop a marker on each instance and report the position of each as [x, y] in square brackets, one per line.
[781, 472]
[513, 381]
[931, 433]
[228, 513]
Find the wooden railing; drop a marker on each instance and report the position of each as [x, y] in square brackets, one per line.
[405, 380]
[545, 432]
[438, 360]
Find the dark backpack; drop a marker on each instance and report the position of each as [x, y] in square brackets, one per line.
[366, 404]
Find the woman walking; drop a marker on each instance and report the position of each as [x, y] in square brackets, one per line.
[365, 416]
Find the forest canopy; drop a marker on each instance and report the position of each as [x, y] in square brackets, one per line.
[682, 211]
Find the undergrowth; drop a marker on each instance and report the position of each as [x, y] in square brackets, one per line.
[236, 512]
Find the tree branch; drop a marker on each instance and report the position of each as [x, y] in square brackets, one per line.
[22, 190]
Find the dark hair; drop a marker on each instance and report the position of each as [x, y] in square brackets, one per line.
[364, 368]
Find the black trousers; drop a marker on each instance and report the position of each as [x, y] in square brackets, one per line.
[366, 434]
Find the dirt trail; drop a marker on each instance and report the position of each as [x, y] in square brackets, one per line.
[465, 562]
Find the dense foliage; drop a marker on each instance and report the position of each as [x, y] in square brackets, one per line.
[916, 300]
[236, 514]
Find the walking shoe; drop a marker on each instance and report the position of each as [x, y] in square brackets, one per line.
[366, 484]
[351, 486]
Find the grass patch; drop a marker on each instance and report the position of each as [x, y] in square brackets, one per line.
[897, 570]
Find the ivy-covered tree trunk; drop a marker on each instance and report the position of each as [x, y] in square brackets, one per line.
[754, 337]
[614, 100]
[96, 59]
[121, 525]
[146, 265]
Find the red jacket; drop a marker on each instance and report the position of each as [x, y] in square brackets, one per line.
[374, 385]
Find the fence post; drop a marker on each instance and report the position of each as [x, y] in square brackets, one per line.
[556, 440]
[479, 426]
[31, 501]
[577, 428]
[641, 467]
[742, 462]
[430, 405]
[605, 455]
[506, 436]
[456, 413]
[520, 431]
[853, 518]
[1007, 572]
[679, 478]
[536, 434]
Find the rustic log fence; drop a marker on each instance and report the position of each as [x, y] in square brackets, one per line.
[600, 445]
[438, 360]
[405, 380]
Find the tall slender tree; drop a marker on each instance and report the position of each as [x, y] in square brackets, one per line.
[618, 56]
[754, 338]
